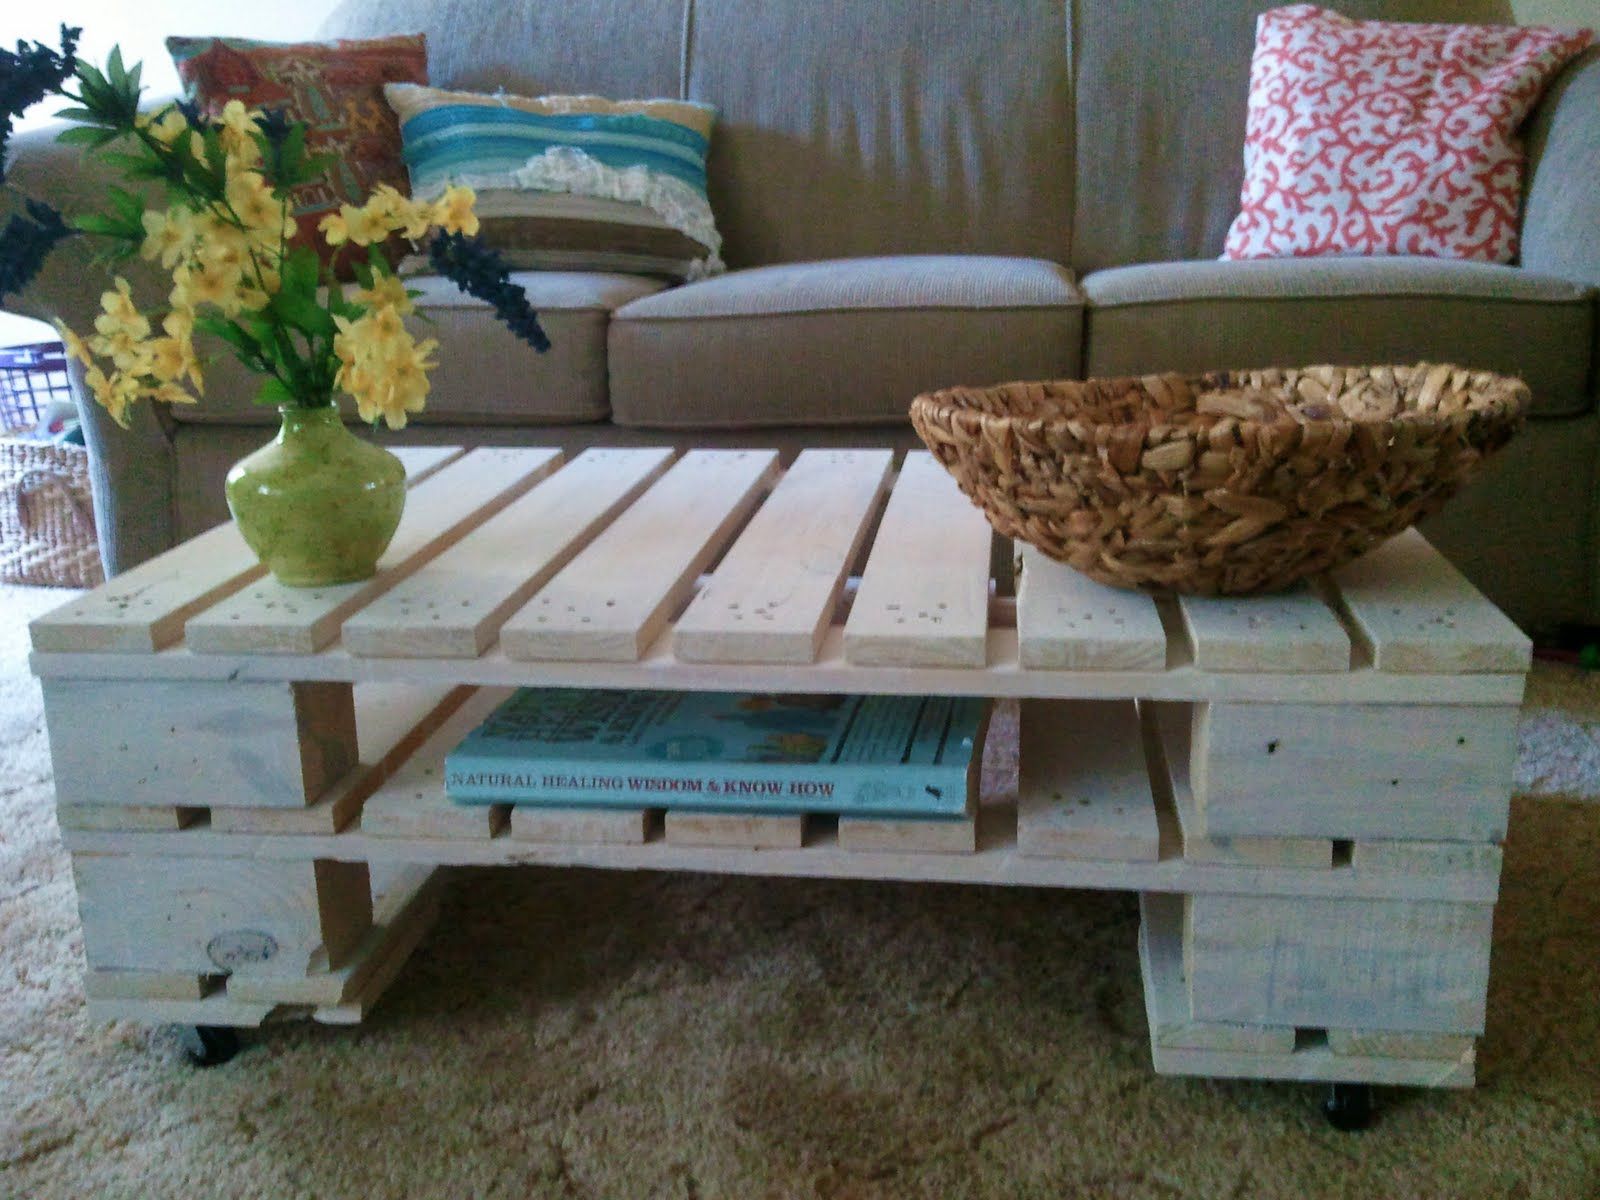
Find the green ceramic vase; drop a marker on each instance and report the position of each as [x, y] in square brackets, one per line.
[317, 504]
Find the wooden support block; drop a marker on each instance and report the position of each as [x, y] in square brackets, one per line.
[398, 916]
[412, 801]
[269, 617]
[103, 984]
[189, 915]
[582, 826]
[394, 721]
[1167, 727]
[408, 931]
[1084, 791]
[614, 599]
[220, 745]
[1171, 1025]
[736, 831]
[909, 835]
[1068, 622]
[1352, 964]
[153, 818]
[1291, 631]
[1420, 615]
[1354, 771]
[1379, 1043]
[1310, 1058]
[773, 595]
[924, 595]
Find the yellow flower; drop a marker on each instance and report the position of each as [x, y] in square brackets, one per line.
[166, 126]
[353, 225]
[387, 291]
[169, 235]
[252, 201]
[74, 345]
[169, 393]
[172, 359]
[453, 211]
[239, 127]
[121, 328]
[114, 394]
[399, 214]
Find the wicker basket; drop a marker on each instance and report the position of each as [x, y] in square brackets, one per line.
[47, 533]
[1221, 484]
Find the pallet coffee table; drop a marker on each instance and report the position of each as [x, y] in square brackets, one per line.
[1308, 790]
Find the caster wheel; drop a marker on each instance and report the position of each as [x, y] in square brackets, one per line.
[1348, 1107]
[208, 1045]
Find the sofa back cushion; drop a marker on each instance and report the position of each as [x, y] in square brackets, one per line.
[848, 127]
[616, 48]
[1162, 93]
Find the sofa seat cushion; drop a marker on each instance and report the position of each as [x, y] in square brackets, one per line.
[484, 374]
[840, 342]
[1198, 316]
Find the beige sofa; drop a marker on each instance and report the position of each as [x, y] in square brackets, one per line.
[916, 193]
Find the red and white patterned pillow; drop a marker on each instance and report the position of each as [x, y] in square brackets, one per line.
[1374, 137]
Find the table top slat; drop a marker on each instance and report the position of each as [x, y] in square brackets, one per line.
[268, 617]
[924, 596]
[1068, 622]
[772, 597]
[1420, 615]
[612, 601]
[1289, 631]
[453, 607]
[144, 609]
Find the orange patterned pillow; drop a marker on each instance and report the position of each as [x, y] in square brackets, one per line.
[335, 87]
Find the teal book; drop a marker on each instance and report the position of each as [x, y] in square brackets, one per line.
[910, 756]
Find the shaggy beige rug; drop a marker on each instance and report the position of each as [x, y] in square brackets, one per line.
[585, 1034]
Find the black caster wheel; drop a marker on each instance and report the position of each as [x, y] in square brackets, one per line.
[208, 1045]
[1348, 1107]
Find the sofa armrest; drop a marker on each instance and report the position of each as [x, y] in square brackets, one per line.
[1561, 214]
[132, 469]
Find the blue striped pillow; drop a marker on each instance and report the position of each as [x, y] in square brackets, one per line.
[570, 182]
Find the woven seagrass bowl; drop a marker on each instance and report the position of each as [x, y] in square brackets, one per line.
[1227, 483]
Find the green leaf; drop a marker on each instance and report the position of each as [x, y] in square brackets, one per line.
[106, 226]
[274, 391]
[233, 334]
[86, 135]
[114, 72]
[77, 114]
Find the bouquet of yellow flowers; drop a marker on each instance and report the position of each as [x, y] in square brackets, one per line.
[226, 234]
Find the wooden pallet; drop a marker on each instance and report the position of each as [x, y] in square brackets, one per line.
[1326, 770]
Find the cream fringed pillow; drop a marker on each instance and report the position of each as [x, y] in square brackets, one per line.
[571, 183]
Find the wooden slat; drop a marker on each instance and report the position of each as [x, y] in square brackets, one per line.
[1084, 791]
[1161, 962]
[453, 606]
[1068, 622]
[1480, 860]
[103, 984]
[407, 929]
[144, 609]
[1313, 1059]
[413, 802]
[1291, 631]
[1382, 1043]
[886, 834]
[423, 461]
[215, 1009]
[581, 826]
[746, 831]
[271, 618]
[924, 596]
[1420, 615]
[773, 595]
[613, 600]
[132, 818]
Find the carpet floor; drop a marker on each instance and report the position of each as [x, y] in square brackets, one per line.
[590, 1034]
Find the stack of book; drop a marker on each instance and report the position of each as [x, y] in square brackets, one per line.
[901, 756]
